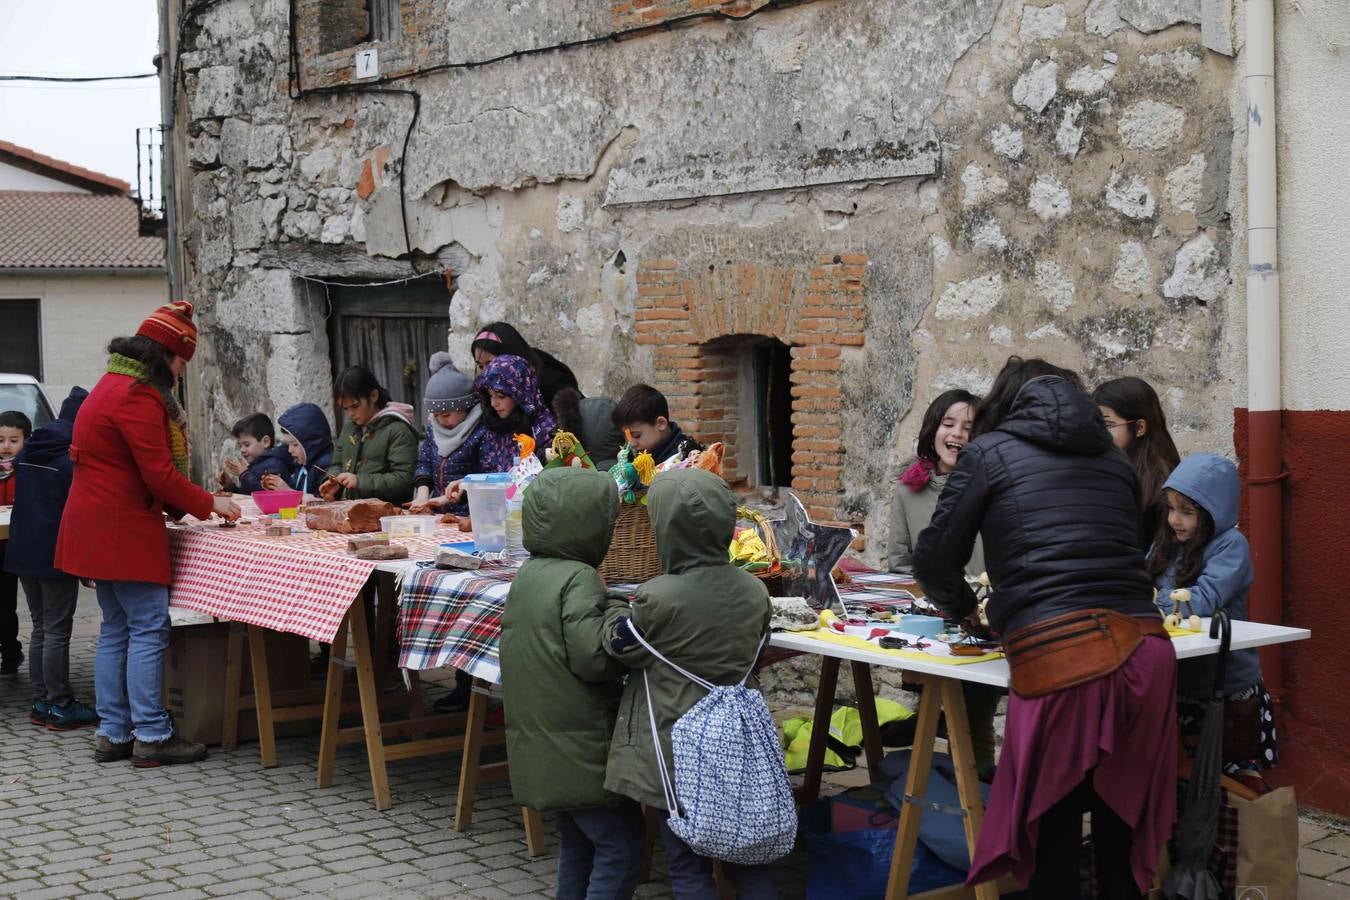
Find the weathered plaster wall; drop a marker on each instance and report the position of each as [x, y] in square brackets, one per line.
[1083, 209]
[543, 181]
[1021, 178]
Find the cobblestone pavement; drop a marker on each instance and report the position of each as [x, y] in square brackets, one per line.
[227, 827]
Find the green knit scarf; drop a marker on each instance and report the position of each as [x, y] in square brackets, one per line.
[178, 434]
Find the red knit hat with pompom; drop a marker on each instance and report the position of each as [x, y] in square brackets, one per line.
[171, 325]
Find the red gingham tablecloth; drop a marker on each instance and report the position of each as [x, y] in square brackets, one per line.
[302, 584]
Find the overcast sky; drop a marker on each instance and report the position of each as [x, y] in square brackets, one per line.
[91, 125]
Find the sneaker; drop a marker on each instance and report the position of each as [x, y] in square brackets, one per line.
[38, 714]
[71, 716]
[10, 662]
[171, 751]
[106, 751]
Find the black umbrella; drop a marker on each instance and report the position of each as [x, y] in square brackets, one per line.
[1198, 827]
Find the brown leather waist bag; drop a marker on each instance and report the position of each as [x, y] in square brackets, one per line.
[1072, 648]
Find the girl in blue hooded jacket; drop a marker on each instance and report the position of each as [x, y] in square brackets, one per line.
[1198, 547]
[309, 440]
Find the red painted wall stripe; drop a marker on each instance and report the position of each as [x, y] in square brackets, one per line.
[1314, 717]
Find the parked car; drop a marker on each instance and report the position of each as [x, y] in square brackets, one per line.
[22, 392]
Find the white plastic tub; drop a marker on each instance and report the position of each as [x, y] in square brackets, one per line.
[401, 526]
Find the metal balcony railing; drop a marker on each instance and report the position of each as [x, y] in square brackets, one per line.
[149, 192]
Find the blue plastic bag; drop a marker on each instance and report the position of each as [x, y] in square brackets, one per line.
[944, 834]
[856, 864]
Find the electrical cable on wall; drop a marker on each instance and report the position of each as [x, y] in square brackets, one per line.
[297, 91]
[76, 79]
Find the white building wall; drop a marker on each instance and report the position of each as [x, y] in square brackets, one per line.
[80, 314]
[1312, 83]
[12, 178]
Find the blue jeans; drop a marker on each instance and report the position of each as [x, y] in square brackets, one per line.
[129, 665]
[691, 875]
[599, 852]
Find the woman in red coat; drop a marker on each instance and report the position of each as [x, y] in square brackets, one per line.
[130, 457]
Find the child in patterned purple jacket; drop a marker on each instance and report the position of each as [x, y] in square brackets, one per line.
[512, 405]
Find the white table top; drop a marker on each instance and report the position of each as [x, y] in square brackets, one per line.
[4, 521]
[995, 672]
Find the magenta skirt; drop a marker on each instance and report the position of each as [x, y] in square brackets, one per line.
[1122, 728]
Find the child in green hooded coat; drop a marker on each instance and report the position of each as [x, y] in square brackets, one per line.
[705, 615]
[562, 689]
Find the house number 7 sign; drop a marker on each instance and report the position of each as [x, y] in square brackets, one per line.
[367, 63]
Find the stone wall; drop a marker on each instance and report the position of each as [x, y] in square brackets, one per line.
[904, 192]
[1084, 209]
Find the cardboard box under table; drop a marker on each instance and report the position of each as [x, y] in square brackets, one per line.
[942, 681]
[196, 673]
[306, 584]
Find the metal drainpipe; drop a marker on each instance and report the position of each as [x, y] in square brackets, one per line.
[168, 183]
[1264, 464]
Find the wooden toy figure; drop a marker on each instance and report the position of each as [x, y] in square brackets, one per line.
[1181, 597]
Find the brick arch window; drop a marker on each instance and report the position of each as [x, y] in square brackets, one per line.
[746, 402]
[707, 323]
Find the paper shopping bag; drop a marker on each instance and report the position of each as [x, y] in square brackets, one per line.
[1267, 865]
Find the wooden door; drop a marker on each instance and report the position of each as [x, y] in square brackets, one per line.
[391, 330]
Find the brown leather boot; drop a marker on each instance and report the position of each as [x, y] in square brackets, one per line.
[169, 752]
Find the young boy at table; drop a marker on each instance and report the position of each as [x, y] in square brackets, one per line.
[258, 457]
[15, 427]
[704, 615]
[643, 413]
[39, 500]
[562, 689]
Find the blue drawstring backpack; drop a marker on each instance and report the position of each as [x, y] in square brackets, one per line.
[729, 798]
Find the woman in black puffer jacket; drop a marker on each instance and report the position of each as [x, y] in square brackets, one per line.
[1056, 506]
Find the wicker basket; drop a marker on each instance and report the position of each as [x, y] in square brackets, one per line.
[772, 576]
[632, 553]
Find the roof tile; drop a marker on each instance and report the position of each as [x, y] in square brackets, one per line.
[60, 230]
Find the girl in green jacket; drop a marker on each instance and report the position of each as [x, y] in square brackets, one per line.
[376, 452]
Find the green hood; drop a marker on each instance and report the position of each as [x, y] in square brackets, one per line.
[569, 514]
[694, 516]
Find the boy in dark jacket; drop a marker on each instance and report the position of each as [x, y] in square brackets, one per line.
[644, 415]
[39, 499]
[15, 428]
[256, 439]
[562, 689]
[703, 614]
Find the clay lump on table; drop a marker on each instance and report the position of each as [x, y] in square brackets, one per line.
[348, 516]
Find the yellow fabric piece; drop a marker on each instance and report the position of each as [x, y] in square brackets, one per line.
[848, 640]
[646, 467]
[748, 547]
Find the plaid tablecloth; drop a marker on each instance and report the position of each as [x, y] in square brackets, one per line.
[451, 618]
[302, 584]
